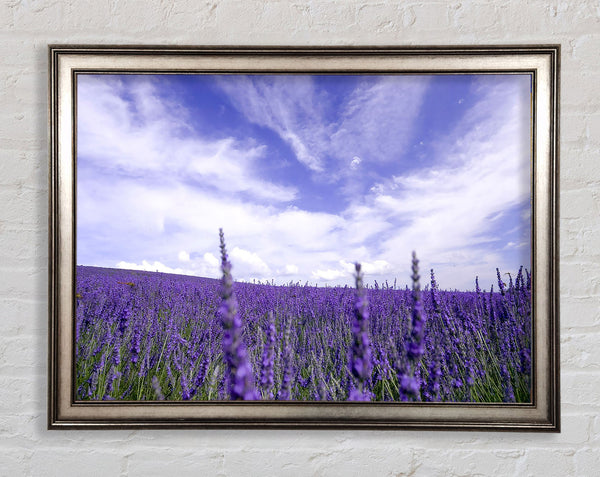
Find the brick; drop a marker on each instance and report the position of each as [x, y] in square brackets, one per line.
[15, 461]
[83, 16]
[379, 18]
[161, 462]
[488, 17]
[307, 460]
[23, 248]
[578, 241]
[24, 283]
[336, 462]
[22, 394]
[431, 16]
[7, 15]
[23, 167]
[471, 462]
[585, 50]
[552, 18]
[581, 389]
[22, 205]
[575, 431]
[579, 203]
[595, 431]
[548, 462]
[20, 428]
[580, 351]
[587, 461]
[60, 462]
[22, 354]
[333, 16]
[573, 128]
[579, 87]
[39, 16]
[26, 87]
[23, 317]
[593, 128]
[579, 280]
[580, 311]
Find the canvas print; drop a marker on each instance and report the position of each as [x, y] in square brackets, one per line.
[302, 237]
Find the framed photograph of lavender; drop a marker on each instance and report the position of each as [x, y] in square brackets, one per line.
[356, 238]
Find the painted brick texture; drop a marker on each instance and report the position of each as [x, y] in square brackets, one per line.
[27, 448]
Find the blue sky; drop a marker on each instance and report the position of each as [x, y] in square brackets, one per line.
[306, 174]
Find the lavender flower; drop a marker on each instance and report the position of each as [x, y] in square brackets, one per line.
[114, 374]
[509, 394]
[239, 376]
[157, 390]
[409, 384]
[416, 347]
[135, 343]
[501, 284]
[360, 364]
[433, 290]
[267, 375]
[286, 383]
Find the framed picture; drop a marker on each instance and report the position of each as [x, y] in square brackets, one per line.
[304, 237]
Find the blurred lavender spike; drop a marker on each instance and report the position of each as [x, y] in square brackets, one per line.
[238, 375]
[157, 389]
[267, 373]
[361, 361]
[409, 385]
[416, 347]
[286, 383]
[433, 291]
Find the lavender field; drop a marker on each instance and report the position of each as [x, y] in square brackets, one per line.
[153, 336]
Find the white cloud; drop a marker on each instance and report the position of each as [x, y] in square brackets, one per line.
[449, 211]
[291, 269]
[294, 108]
[347, 269]
[210, 259]
[329, 275]
[183, 256]
[379, 118]
[151, 138]
[252, 262]
[377, 267]
[282, 103]
[152, 267]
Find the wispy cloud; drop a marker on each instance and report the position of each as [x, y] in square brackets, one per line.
[131, 132]
[378, 120]
[481, 171]
[290, 106]
[374, 124]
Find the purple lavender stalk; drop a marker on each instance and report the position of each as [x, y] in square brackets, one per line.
[434, 287]
[268, 361]
[238, 375]
[286, 383]
[360, 363]
[501, 284]
[157, 390]
[416, 347]
[410, 387]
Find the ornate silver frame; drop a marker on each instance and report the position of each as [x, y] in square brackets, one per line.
[541, 61]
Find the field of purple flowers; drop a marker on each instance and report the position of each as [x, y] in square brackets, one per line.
[154, 336]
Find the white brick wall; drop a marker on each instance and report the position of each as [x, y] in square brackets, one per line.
[27, 27]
